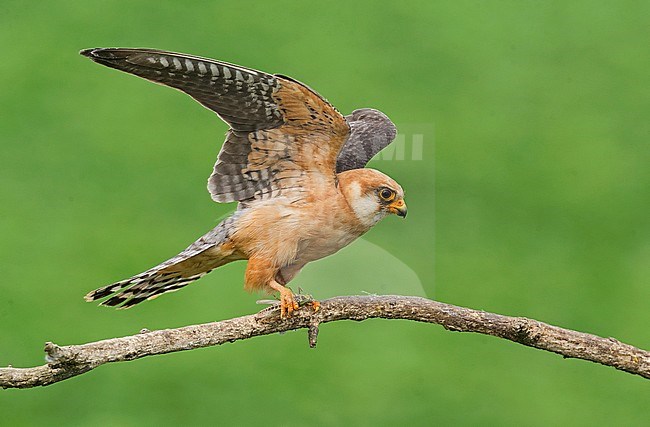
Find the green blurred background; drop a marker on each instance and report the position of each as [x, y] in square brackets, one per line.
[531, 199]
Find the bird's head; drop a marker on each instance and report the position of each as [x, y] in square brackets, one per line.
[372, 195]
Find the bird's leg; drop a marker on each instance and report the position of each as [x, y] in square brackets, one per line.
[287, 300]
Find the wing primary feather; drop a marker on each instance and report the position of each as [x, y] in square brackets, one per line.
[240, 96]
[279, 126]
[370, 132]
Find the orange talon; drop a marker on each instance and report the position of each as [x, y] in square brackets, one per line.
[290, 302]
[287, 300]
[287, 303]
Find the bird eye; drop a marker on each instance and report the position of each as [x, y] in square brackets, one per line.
[387, 194]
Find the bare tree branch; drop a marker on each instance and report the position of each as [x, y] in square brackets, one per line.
[68, 361]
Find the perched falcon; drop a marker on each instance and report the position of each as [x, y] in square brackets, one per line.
[292, 161]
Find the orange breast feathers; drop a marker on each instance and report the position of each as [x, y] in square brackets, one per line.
[273, 235]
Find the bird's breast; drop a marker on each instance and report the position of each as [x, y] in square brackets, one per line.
[297, 233]
[322, 244]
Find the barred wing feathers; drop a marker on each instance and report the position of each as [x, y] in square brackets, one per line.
[282, 133]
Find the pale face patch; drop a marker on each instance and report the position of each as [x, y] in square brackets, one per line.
[366, 207]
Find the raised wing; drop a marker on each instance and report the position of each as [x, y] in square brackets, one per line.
[283, 161]
[284, 137]
[370, 132]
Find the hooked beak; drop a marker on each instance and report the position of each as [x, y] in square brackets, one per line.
[398, 207]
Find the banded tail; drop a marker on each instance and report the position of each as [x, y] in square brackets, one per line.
[201, 257]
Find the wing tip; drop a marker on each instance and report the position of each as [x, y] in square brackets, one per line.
[87, 52]
[96, 53]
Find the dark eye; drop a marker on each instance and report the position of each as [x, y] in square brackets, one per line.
[387, 194]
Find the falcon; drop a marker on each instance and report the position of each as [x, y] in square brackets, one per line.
[293, 163]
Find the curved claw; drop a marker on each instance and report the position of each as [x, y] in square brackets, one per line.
[287, 299]
[287, 303]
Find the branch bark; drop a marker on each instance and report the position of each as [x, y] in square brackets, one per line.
[68, 361]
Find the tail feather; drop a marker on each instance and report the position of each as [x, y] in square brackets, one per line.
[207, 253]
